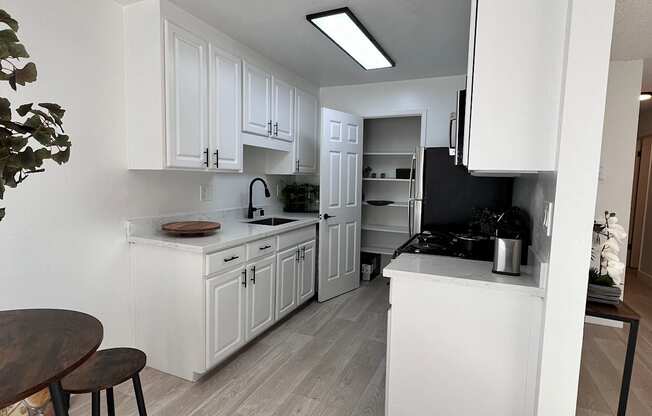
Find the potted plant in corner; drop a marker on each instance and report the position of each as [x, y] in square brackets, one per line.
[36, 134]
[29, 135]
[607, 271]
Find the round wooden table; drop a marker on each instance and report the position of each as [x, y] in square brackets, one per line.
[38, 347]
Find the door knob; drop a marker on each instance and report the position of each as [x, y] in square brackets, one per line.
[326, 216]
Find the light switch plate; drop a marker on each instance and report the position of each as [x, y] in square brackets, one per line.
[205, 193]
[547, 218]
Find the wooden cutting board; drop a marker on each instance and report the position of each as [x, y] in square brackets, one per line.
[189, 228]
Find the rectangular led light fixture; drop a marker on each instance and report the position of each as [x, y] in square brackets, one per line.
[345, 30]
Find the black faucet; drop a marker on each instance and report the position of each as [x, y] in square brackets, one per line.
[251, 209]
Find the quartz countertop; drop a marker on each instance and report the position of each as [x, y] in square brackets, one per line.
[455, 270]
[233, 232]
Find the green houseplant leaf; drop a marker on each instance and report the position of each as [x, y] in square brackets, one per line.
[36, 135]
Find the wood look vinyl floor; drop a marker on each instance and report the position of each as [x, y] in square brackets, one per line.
[603, 355]
[328, 359]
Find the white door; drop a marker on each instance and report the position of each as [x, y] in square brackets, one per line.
[224, 110]
[225, 317]
[283, 110]
[257, 93]
[260, 296]
[186, 98]
[340, 203]
[307, 132]
[286, 281]
[307, 271]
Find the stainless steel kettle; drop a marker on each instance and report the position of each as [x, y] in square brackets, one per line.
[507, 256]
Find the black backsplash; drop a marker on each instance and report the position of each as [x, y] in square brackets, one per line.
[450, 193]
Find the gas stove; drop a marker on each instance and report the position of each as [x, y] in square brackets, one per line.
[445, 243]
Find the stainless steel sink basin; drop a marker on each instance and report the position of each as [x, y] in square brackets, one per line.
[272, 221]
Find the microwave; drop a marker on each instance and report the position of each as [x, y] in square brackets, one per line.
[456, 129]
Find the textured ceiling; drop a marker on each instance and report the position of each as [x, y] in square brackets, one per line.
[425, 37]
[633, 38]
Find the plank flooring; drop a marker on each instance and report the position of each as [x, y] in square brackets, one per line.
[328, 359]
[603, 354]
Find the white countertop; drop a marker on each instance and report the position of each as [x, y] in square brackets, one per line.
[461, 271]
[233, 232]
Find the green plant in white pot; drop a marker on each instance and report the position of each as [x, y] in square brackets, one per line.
[30, 133]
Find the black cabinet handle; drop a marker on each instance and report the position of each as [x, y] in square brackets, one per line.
[269, 127]
[231, 259]
[276, 129]
[253, 274]
[206, 154]
[265, 247]
[244, 278]
[297, 165]
[217, 158]
[303, 253]
[298, 255]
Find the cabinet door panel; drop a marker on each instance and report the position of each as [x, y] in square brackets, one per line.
[283, 110]
[307, 272]
[257, 100]
[307, 131]
[225, 316]
[286, 282]
[261, 295]
[186, 98]
[225, 111]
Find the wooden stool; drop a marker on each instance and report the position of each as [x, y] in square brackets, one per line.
[104, 370]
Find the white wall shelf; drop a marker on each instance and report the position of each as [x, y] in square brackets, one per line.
[386, 179]
[391, 154]
[393, 204]
[388, 251]
[398, 229]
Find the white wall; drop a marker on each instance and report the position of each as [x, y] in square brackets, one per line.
[436, 95]
[580, 137]
[63, 241]
[619, 142]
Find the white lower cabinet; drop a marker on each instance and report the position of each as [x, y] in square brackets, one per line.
[225, 315]
[260, 296]
[194, 310]
[306, 275]
[286, 281]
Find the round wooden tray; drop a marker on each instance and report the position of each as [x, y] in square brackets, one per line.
[191, 228]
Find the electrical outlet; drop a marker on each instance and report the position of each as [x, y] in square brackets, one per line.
[205, 193]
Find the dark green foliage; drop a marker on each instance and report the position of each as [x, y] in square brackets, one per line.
[601, 280]
[37, 135]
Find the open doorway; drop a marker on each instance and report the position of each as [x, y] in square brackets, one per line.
[640, 230]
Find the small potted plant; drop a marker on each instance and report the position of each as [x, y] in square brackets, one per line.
[300, 197]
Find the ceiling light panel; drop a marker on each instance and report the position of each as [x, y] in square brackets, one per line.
[346, 31]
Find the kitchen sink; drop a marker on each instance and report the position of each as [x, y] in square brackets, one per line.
[272, 221]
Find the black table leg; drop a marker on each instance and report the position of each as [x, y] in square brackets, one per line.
[627, 370]
[110, 402]
[95, 403]
[58, 399]
[140, 400]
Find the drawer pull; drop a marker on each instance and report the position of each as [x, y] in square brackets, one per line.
[265, 247]
[231, 259]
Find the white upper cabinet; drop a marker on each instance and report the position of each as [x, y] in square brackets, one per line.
[225, 111]
[307, 114]
[283, 110]
[257, 93]
[186, 98]
[516, 51]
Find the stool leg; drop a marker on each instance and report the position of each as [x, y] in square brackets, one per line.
[58, 399]
[110, 403]
[140, 401]
[95, 403]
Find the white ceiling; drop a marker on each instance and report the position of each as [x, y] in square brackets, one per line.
[633, 37]
[425, 37]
